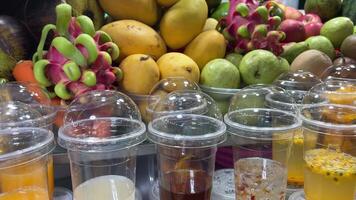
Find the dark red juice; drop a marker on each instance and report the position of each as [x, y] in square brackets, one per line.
[186, 185]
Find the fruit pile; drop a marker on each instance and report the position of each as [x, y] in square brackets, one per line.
[217, 44]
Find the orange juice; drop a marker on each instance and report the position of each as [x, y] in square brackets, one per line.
[26, 194]
[349, 98]
[15, 180]
[50, 177]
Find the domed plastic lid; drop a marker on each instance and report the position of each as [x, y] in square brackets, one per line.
[186, 119]
[21, 145]
[343, 72]
[332, 91]
[96, 104]
[25, 104]
[166, 86]
[299, 80]
[263, 96]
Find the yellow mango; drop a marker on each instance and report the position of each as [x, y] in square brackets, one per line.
[210, 24]
[141, 73]
[166, 3]
[183, 22]
[178, 65]
[134, 37]
[207, 46]
[145, 11]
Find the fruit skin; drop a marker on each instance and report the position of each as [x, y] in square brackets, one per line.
[322, 44]
[221, 11]
[134, 37]
[262, 67]
[292, 50]
[354, 29]
[294, 30]
[145, 11]
[348, 47]
[349, 9]
[210, 24]
[234, 58]
[312, 24]
[337, 29]
[183, 22]
[205, 47]
[292, 13]
[220, 73]
[313, 61]
[178, 65]
[167, 3]
[7, 63]
[141, 73]
[326, 9]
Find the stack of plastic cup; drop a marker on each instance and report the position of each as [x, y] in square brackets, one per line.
[24, 160]
[186, 129]
[329, 151]
[27, 105]
[262, 139]
[101, 139]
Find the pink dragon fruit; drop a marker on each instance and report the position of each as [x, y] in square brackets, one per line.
[251, 25]
[78, 60]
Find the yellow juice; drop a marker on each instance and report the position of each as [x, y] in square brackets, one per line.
[329, 175]
[50, 177]
[26, 194]
[16, 180]
[296, 162]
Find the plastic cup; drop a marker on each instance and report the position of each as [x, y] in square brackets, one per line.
[330, 151]
[186, 148]
[262, 140]
[24, 160]
[102, 154]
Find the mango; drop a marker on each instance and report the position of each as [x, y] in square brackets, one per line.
[207, 46]
[210, 24]
[166, 3]
[134, 37]
[183, 22]
[141, 73]
[178, 65]
[146, 11]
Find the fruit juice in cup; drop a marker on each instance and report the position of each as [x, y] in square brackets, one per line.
[24, 164]
[186, 129]
[15, 114]
[296, 162]
[262, 140]
[330, 159]
[102, 154]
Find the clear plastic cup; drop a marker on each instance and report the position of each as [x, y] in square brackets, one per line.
[329, 152]
[24, 159]
[102, 154]
[187, 137]
[299, 80]
[262, 139]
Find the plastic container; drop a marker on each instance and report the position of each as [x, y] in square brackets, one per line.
[102, 132]
[299, 80]
[25, 105]
[329, 151]
[291, 3]
[187, 136]
[342, 72]
[24, 163]
[62, 194]
[224, 185]
[334, 92]
[299, 195]
[262, 139]
[222, 96]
